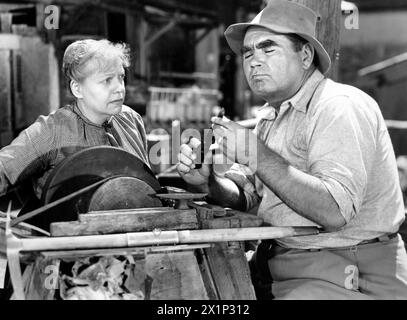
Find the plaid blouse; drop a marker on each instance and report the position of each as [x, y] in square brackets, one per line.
[50, 139]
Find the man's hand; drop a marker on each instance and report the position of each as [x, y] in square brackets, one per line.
[236, 142]
[186, 166]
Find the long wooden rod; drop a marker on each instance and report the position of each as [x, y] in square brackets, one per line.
[136, 239]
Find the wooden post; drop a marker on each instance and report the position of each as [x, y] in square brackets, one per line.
[328, 28]
[207, 56]
[142, 54]
[131, 34]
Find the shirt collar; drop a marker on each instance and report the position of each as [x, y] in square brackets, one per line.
[299, 101]
[107, 123]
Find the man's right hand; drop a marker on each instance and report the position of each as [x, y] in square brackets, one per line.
[186, 166]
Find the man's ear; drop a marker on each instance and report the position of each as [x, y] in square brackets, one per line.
[76, 89]
[308, 52]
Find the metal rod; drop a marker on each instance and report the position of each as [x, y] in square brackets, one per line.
[57, 202]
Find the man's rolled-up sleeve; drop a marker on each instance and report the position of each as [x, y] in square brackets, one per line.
[340, 151]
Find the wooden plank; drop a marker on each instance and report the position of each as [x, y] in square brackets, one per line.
[3, 268]
[94, 215]
[175, 276]
[206, 274]
[227, 264]
[230, 272]
[122, 223]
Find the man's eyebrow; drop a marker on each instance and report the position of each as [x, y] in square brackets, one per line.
[265, 44]
[261, 45]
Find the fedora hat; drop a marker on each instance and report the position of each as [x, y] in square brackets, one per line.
[282, 16]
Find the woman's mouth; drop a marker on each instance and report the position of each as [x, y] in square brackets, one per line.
[117, 101]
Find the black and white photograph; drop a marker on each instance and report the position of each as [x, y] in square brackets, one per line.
[203, 156]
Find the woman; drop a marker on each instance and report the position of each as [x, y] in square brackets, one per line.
[95, 70]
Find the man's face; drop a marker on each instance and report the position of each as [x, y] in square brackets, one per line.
[102, 93]
[272, 67]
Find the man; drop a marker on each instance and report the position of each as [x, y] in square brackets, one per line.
[95, 70]
[324, 158]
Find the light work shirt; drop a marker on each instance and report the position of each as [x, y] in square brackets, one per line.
[334, 132]
[50, 139]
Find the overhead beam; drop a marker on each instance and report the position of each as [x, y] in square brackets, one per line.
[380, 5]
[161, 32]
[177, 6]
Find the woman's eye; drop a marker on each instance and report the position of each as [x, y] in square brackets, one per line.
[107, 80]
[247, 55]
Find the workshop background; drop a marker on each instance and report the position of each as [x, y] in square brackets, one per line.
[182, 70]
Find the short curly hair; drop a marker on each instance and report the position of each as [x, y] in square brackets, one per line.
[101, 53]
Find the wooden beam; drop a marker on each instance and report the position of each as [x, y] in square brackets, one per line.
[380, 5]
[118, 221]
[177, 6]
[382, 65]
[328, 28]
[142, 48]
[171, 24]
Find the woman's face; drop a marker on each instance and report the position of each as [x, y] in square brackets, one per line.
[101, 93]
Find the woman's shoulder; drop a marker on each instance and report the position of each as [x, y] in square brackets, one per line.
[129, 113]
[62, 113]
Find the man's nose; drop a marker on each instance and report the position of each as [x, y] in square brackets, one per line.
[257, 59]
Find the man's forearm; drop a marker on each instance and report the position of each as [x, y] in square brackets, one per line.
[222, 191]
[303, 193]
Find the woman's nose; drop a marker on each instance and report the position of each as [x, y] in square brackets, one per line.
[119, 85]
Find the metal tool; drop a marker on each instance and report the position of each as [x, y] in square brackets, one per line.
[220, 114]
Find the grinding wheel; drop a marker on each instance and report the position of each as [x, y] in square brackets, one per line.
[88, 166]
[123, 193]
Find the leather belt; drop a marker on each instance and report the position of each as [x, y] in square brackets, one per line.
[383, 238]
